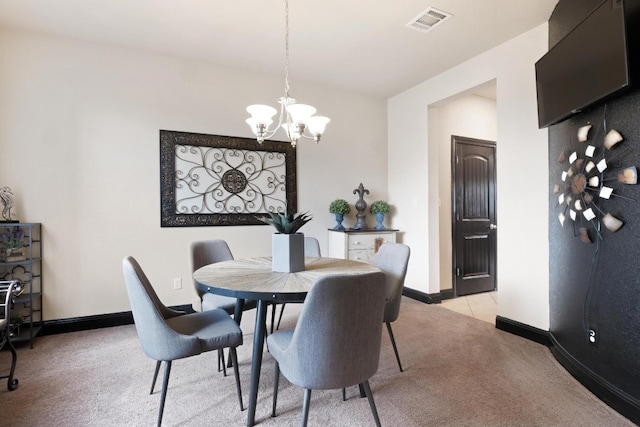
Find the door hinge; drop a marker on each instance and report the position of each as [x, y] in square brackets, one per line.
[458, 271]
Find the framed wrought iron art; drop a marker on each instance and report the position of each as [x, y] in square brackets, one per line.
[223, 180]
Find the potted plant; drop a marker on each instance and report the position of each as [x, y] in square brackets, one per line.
[11, 244]
[339, 207]
[379, 208]
[287, 244]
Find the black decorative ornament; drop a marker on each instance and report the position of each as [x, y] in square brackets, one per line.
[234, 181]
[361, 206]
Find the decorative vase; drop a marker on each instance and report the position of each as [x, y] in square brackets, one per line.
[287, 251]
[339, 219]
[379, 218]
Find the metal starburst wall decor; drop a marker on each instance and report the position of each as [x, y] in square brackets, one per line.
[587, 181]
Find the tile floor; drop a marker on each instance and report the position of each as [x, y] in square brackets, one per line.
[482, 306]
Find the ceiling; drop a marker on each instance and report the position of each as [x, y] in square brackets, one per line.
[362, 45]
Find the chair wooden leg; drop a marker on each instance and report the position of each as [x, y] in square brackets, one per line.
[155, 376]
[280, 317]
[393, 342]
[234, 359]
[276, 381]
[165, 385]
[305, 406]
[367, 390]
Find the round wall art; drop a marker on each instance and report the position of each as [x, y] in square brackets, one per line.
[587, 181]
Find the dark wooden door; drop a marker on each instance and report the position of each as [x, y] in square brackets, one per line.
[474, 215]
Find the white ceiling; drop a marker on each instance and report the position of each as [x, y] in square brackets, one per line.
[362, 45]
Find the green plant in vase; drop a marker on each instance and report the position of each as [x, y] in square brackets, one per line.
[286, 223]
[12, 237]
[11, 243]
[380, 208]
[339, 207]
[287, 245]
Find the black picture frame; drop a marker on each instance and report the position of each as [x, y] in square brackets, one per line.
[215, 180]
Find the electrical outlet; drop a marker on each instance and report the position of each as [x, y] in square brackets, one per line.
[177, 283]
[593, 337]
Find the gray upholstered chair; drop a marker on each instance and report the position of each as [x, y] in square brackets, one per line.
[311, 249]
[393, 258]
[167, 335]
[206, 252]
[336, 343]
[6, 297]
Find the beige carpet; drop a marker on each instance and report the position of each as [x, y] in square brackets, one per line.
[459, 371]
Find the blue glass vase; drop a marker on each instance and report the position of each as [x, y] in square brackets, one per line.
[379, 218]
[338, 226]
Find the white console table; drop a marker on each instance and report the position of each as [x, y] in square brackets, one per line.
[358, 245]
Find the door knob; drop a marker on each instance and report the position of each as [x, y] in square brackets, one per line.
[493, 227]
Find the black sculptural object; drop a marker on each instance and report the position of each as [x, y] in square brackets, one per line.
[361, 205]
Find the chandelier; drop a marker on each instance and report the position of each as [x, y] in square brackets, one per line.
[294, 118]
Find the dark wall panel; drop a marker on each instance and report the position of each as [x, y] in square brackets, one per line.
[597, 285]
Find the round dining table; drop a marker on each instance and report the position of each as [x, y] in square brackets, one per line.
[253, 278]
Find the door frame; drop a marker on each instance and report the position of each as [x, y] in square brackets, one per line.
[455, 140]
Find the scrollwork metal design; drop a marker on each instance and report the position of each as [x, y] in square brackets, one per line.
[220, 180]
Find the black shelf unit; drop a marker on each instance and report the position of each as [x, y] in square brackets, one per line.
[27, 305]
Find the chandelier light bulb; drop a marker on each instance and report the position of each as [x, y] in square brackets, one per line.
[258, 128]
[261, 114]
[292, 132]
[300, 113]
[317, 125]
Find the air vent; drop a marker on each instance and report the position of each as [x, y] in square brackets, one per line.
[428, 20]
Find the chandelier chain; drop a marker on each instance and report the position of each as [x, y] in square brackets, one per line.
[294, 118]
[286, 49]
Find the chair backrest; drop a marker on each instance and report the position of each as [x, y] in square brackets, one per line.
[206, 252]
[6, 292]
[158, 340]
[311, 247]
[336, 342]
[393, 258]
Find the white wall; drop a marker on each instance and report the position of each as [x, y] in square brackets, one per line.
[523, 278]
[79, 146]
[470, 116]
